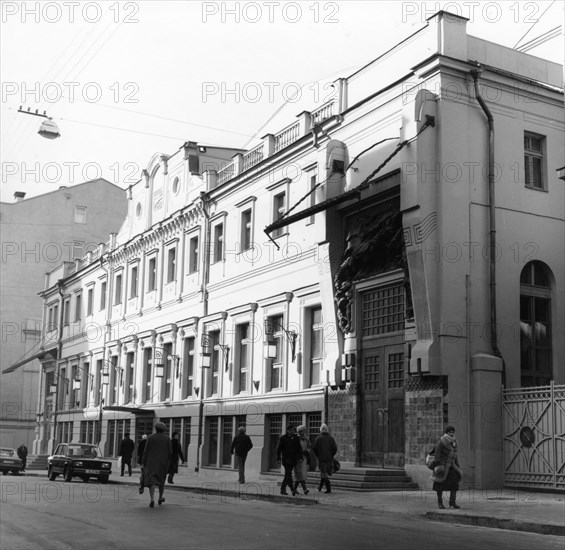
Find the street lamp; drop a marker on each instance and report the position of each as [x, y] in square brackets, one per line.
[270, 346]
[162, 355]
[48, 128]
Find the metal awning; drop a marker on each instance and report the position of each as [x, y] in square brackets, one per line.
[131, 410]
[41, 354]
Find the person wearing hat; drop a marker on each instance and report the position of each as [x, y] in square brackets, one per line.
[447, 474]
[301, 468]
[156, 459]
[240, 446]
[289, 452]
[325, 449]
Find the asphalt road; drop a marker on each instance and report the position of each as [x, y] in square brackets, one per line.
[38, 514]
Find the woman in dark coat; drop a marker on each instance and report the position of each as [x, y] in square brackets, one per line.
[447, 473]
[325, 449]
[177, 453]
[156, 459]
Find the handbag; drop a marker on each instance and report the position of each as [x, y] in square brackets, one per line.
[337, 465]
[119, 462]
[430, 459]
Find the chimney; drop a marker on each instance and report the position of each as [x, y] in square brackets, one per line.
[19, 196]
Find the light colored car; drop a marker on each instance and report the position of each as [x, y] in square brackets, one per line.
[78, 460]
[10, 461]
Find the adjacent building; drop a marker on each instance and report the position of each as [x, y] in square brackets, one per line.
[38, 233]
[387, 263]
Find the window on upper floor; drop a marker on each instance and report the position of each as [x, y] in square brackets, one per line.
[151, 274]
[316, 355]
[218, 242]
[171, 264]
[103, 288]
[534, 170]
[80, 214]
[246, 230]
[118, 290]
[243, 348]
[275, 342]
[279, 208]
[188, 368]
[66, 310]
[89, 300]
[193, 251]
[78, 307]
[133, 282]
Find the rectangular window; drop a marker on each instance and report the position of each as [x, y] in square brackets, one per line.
[118, 290]
[188, 374]
[187, 434]
[212, 440]
[114, 379]
[171, 264]
[316, 345]
[312, 183]
[85, 387]
[89, 300]
[275, 339]
[275, 423]
[80, 214]
[133, 283]
[98, 384]
[103, 287]
[152, 274]
[227, 436]
[242, 356]
[130, 376]
[533, 160]
[396, 370]
[78, 307]
[279, 207]
[66, 311]
[246, 242]
[219, 242]
[193, 255]
[167, 384]
[215, 362]
[383, 310]
[147, 359]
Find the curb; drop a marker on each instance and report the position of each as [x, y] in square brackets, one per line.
[498, 523]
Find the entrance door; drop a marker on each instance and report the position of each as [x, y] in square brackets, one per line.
[381, 376]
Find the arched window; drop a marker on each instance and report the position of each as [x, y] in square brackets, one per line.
[535, 325]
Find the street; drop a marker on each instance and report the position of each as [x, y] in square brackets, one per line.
[36, 513]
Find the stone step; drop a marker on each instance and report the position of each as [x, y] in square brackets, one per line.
[36, 462]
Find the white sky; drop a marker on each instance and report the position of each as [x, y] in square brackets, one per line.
[124, 80]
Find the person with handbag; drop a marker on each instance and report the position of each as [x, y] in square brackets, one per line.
[325, 448]
[289, 452]
[446, 474]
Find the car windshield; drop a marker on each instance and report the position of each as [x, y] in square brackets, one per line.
[7, 452]
[83, 451]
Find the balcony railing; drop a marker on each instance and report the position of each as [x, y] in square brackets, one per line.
[253, 157]
[226, 173]
[323, 113]
[288, 136]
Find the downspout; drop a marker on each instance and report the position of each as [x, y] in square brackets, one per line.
[59, 354]
[205, 275]
[475, 73]
[105, 332]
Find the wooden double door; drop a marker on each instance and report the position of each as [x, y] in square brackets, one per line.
[382, 402]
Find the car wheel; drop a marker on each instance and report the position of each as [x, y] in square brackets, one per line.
[51, 474]
[103, 479]
[68, 474]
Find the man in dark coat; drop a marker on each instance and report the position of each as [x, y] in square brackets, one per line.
[126, 452]
[156, 460]
[22, 453]
[325, 449]
[241, 445]
[290, 451]
[177, 453]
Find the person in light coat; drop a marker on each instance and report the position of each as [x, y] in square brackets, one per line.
[325, 449]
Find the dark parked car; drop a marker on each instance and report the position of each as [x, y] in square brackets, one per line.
[10, 461]
[78, 460]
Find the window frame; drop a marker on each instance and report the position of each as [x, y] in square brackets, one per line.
[530, 156]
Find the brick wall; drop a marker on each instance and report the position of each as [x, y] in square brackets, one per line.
[343, 421]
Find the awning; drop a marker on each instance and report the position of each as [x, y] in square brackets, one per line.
[131, 410]
[49, 353]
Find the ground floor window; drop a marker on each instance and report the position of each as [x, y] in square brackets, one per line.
[219, 433]
[116, 431]
[180, 425]
[88, 431]
[64, 432]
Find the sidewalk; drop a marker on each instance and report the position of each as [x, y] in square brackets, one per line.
[542, 513]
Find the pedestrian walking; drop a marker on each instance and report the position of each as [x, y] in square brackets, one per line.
[140, 451]
[325, 449]
[447, 474]
[126, 452]
[22, 453]
[301, 468]
[177, 454]
[289, 452]
[156, 459]
[240, 446]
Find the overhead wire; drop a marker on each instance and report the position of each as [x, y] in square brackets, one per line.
[533, 25]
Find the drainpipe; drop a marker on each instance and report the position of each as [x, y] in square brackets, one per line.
[105, 332]
[59, 354]
[475, 73]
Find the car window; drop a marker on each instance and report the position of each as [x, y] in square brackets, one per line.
[7, 452]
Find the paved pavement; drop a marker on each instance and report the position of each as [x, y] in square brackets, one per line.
[519, 510]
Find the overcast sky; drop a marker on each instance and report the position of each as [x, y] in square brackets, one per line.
[125, 80]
